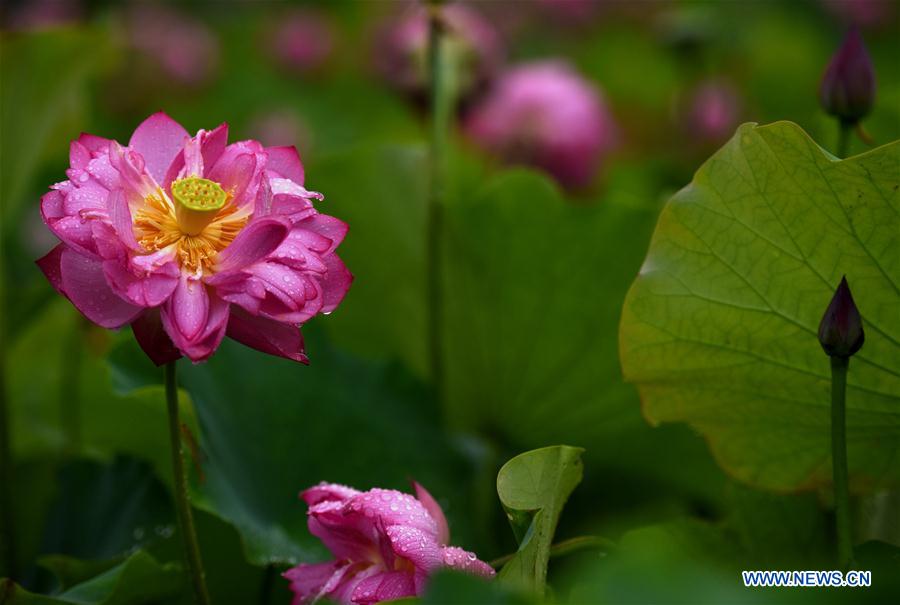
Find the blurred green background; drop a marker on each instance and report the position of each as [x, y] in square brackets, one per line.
[535, 279]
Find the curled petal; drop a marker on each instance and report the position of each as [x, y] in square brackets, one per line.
[285, 162]
[386, 586]
[256, 241]
[188, 308]
[141, 287]
[335, 284]
[267, 335]
[120, 215]
[311, 582]
[327, 226]
[420, 547]
[159, 139]
[49, 265]
[462, 560]
[328, 492]
[82, 281]
[72, 230]
[152, 338]
[93, 143]
[179, 315]
[434, 509]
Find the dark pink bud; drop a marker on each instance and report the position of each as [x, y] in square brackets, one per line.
[841, 331]
[848, 86]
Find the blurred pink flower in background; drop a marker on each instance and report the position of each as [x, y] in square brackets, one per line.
[301, 40]
[185, 49]
[386, 544]
[545, 114]
[401, 48]
[864, 13]
[44, 14]
[713, 109]
[575, 12]
[187, 238]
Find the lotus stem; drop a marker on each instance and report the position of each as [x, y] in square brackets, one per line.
[441, 110]
[182, 504]
[839, 367]
[843, 144]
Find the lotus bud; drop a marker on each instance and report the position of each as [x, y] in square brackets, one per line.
[848, 86]
[841, 331]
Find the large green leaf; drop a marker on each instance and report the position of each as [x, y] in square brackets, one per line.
[57, 379]
[271, 428]
[137, 580]
[719, 329]
[533, 488]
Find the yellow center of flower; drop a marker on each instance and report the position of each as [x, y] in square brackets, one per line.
[198, 225]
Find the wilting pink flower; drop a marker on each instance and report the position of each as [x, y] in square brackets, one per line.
[302, 40]
[546, 115]
[185, 49]
[401, 53]
[386, 544]
[712, 111]
[189, 238]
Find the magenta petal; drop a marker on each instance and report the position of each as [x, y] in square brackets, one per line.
[84, 283]
[189, 307]
[286, 162]
[434, 509]
[213, 144]
[310, 582]
[461, 560]
[210, 331]
[152, 338]
[385, 586]
[256, 241]
[335, 284]
[49, 264]
[93, 143]
[235, 170]
[420, 547]
[266, 335]
[120, 215]
[159, 139]
[145, 289]
[332, 228]
[328, 492]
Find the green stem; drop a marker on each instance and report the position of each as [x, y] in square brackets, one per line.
[839, 460]
[441, 111]
[843, 144]
[182, 504]
[565, 547]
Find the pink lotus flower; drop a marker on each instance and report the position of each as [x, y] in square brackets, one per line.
[385, 543]
[401, 53]
[185, 49]
[713, 111]
[546, 115]
[302, 40]
[188, 238]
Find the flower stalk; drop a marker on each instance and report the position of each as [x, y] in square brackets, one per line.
[442, 95]
[840, 473]
[841, 336]
[182, 504]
